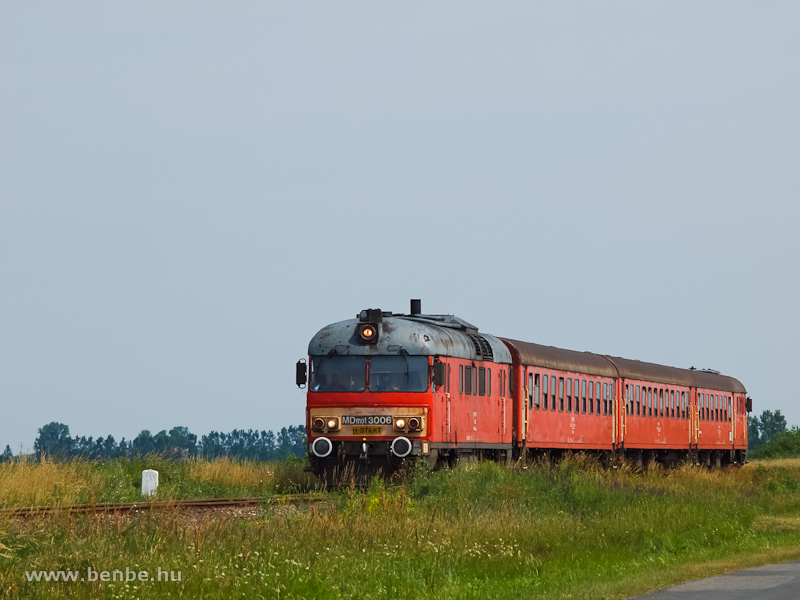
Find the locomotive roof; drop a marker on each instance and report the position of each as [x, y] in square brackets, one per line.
[609, 366]
[420, 335]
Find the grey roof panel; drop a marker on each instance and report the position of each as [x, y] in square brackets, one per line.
[416, 335]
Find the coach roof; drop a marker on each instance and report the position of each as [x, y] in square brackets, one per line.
[601, 365]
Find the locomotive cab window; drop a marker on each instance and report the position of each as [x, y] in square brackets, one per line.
[398, 374]
[340, 373]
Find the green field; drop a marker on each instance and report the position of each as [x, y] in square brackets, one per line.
[479, 531]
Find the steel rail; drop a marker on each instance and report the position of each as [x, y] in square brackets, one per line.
[129, 507]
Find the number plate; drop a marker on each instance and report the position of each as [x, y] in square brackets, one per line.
[366, 420]
[366, 430]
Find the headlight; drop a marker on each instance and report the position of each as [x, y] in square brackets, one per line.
[368, 333]
[318, 424]
[332, 423]
[399, 424]
[414, 424]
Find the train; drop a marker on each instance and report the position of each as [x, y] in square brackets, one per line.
[385, 389]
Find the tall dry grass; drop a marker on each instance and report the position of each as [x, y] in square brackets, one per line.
[228, 472]
[28, 483]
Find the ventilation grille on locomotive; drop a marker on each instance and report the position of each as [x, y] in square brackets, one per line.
[482, 347]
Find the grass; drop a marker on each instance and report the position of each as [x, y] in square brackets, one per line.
[478, 531]
[27, 483]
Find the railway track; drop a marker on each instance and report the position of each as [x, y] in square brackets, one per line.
[179, 505]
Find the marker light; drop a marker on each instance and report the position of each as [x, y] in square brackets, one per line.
[414, 423]
[318, 424]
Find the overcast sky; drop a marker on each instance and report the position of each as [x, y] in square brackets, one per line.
[190, 190]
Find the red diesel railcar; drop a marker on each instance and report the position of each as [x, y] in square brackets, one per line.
[385, 387]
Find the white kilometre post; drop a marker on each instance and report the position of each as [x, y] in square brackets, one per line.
[149, 482]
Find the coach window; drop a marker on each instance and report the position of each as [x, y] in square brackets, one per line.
[553, 393]
[530, 390]
[597, 396]
[577, 395]
[638, 402]
[628, 402]
[591, 397]
[583, 396]
[569, 394]
[560, 394]
[544, 391]
[536, 402]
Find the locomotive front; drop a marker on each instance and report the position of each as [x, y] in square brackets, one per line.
[370, 386]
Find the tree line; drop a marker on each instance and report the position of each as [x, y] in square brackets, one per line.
[54, 441]
[765, 428]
